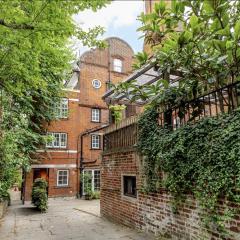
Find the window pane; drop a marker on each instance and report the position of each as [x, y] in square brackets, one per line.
[117, 65]
[61, 108]
[96, 115]
[97, 180]
[96, 141]
[62, 178]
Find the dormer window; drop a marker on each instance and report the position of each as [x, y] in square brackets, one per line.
[117, 65]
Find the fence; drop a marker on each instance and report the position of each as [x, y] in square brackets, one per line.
[223, 100]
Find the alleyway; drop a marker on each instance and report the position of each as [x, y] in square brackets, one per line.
[66, 219]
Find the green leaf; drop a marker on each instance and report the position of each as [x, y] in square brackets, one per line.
[237, 30]
[193, 21]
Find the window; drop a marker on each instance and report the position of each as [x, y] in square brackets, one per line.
[93, 182]
[62, 178]
[61, 108]
[96, 180]
[95, 115]
[96, 83]
[58, 140]
[95, 141]
[129, 186]
[117, 65]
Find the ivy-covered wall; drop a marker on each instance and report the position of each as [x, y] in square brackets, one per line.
[202, 159]
[187, 179]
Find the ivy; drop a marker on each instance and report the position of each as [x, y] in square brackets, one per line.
[202, 159]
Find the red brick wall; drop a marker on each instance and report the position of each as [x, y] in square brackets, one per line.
[152, 212]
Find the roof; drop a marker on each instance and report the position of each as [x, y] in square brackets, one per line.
[146, 75]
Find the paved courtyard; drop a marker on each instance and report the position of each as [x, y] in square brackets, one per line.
[66, 219]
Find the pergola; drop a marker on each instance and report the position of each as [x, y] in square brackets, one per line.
[148, 74]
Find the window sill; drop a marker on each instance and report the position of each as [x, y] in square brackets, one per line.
[95, 148]
[130, 199]
[61, 187]
[56, 148]
[95, 121]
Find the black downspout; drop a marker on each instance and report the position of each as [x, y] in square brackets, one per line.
[81, 164]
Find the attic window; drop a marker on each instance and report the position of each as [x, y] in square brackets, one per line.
[117, 65]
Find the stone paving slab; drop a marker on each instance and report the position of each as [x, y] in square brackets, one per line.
[66, 219]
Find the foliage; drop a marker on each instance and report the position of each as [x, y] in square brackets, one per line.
[86, 178]
[139, 60]
[34, 62]
[117, 112]
[39, 194]
[197, 41]
[96, 195]
[201, 159]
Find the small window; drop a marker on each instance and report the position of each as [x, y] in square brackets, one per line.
[129, 186]
[96, 142]
[58, 140]
[96, 115]
[62, 178]
[96, 83]
[61, 108]
[117, 65]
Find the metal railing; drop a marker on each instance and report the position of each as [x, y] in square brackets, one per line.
[223, 100]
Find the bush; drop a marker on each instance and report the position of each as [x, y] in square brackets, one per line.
[96, 195]
[39, 194]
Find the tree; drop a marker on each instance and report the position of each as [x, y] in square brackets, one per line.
[34, 61]
[198, 39]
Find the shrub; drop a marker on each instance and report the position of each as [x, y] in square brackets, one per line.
[39, 194]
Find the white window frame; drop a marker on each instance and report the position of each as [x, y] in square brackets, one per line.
[61, 108]
[96, 115]
[92, 180]
[94, 143]
[99, 84]
[58, 175]
[117, 65]
[57, 143]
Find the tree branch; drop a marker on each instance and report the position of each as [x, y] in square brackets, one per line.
[23, 26]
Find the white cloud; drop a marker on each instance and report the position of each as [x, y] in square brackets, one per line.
[117, 14]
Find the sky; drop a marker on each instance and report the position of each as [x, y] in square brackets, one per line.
[119, 19]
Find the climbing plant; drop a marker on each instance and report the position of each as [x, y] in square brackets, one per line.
[202, 159]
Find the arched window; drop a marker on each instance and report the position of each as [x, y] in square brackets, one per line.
[117, 65]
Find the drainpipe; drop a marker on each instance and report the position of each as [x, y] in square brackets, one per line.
[81, 162]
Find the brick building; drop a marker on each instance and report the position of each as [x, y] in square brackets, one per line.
[76, 138]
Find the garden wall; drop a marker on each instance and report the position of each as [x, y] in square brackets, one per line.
[152, 212]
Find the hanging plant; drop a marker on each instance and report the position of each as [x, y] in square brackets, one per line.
[117, 112]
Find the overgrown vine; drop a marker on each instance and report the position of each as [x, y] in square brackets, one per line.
[202, 159]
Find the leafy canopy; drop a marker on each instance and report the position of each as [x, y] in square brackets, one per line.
[196, 40]
[34, 62]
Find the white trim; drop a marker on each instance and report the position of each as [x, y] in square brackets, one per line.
[71, 90]
[92, 180]
[62, 151]
[63, 185]
[53, 166]
[74, 99]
